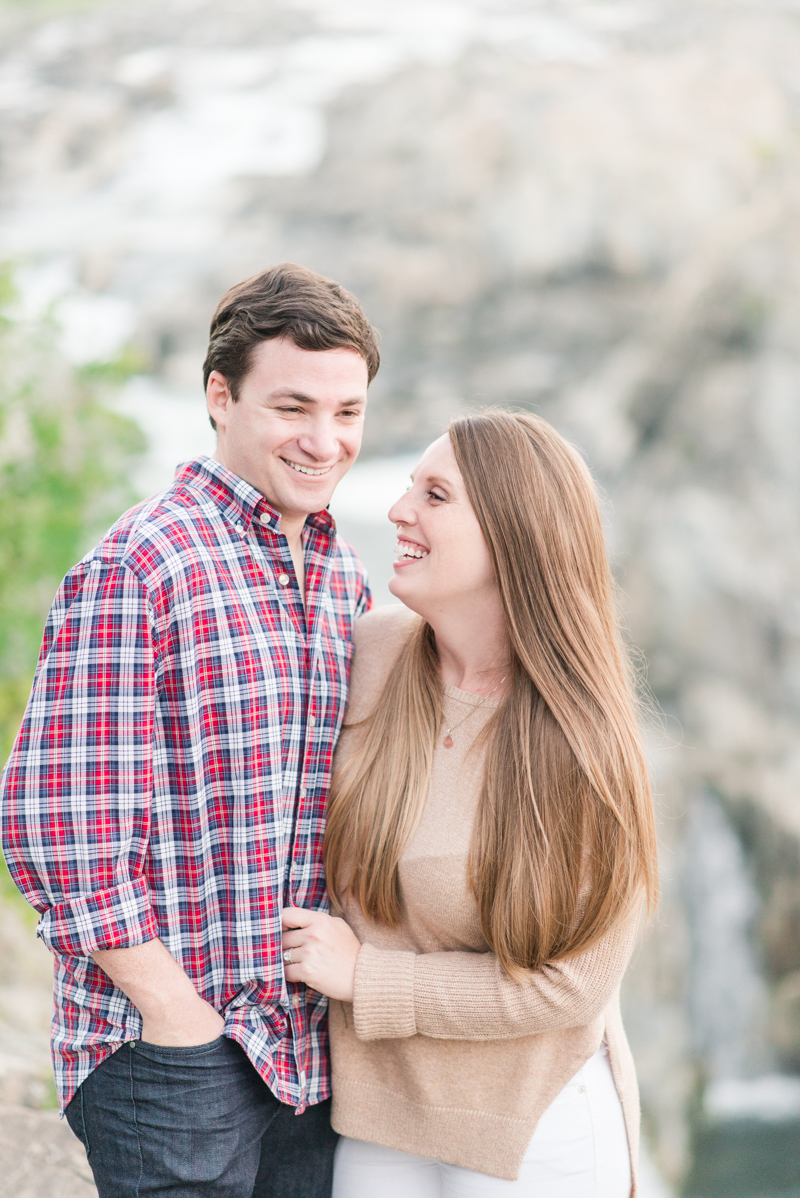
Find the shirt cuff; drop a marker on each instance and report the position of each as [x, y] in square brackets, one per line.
[383, 997]
[116, 918]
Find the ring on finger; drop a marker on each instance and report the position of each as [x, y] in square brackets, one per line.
[287, 957]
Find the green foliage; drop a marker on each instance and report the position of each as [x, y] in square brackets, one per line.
[65, 461]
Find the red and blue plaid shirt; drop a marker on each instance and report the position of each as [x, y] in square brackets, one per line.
[172, 768]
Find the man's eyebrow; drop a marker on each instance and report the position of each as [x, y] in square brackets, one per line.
[300, 397]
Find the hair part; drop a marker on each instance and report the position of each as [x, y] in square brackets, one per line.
[289, 301]
[564, 840]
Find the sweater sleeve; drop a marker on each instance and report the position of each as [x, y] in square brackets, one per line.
[467, 996]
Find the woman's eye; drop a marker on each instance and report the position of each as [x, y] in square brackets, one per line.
[436, 495]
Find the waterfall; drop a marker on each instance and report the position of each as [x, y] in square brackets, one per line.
[728, 997]
[727, 992]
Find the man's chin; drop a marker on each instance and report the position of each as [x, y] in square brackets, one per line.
[323, 500]
[309, 499]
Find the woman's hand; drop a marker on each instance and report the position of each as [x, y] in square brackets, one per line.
[324, 951]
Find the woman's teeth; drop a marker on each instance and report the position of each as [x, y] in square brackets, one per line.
[306, 469]
[401, 549]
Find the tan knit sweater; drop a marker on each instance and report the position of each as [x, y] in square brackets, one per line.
[441, 1054]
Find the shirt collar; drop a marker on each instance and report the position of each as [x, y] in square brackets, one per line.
[240, 502]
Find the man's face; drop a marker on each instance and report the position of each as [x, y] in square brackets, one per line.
[296, 427]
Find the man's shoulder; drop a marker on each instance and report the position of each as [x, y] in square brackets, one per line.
[346, 562]
[160, 537]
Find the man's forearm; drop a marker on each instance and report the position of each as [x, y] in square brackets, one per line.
[172, 1011]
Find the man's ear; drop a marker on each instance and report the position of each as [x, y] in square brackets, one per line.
[218, 399]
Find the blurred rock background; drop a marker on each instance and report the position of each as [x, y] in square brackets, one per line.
[589, 208]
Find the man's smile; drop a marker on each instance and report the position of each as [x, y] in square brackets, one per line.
[312, 471]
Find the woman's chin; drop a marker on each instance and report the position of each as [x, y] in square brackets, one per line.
[403, 588]
[396, 587]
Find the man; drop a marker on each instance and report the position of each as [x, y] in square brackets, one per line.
[165, 796]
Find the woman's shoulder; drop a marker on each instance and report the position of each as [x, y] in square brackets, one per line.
[384, 628]
[378, 637]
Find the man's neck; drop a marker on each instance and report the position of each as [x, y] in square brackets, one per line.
[292, 529]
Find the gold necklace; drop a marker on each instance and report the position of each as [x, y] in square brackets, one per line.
[448, 739]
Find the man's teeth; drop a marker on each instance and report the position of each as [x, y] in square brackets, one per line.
[306, 469]
[401, 549]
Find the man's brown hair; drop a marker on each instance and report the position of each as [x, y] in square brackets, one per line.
[286, 301]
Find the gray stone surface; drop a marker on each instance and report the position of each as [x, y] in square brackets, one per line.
[40, 1157]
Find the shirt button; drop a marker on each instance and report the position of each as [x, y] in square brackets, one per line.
[312, 722]
[240, 528]
[264, 519]
[302, 792]
[283, 579]
[581, 1089]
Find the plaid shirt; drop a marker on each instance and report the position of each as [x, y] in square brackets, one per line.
[171, 772]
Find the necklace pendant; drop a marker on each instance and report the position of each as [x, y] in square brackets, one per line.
[448, 742]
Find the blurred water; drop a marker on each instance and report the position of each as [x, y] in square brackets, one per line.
[747, 1132]
[728, 995]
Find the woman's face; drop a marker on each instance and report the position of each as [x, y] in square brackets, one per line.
[442, 558]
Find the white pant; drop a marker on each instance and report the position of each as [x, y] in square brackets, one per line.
[579, 1150]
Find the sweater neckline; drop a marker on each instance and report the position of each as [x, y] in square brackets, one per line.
[453, 692]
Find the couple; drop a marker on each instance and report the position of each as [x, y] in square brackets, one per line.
[489, 833]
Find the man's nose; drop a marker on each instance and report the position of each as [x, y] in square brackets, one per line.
[320, 441]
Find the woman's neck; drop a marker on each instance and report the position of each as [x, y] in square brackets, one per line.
[473, 647]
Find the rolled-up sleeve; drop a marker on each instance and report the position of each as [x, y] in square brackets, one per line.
[76, 792]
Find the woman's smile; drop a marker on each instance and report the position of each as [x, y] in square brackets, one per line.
[407, 551]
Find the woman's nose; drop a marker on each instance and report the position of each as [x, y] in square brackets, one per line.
[402, 511]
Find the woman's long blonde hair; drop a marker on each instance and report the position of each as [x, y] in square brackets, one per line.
[564, 841]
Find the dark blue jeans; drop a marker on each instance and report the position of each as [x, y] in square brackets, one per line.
[197, 1123]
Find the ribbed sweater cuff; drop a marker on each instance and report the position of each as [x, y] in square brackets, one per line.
[383, 1000]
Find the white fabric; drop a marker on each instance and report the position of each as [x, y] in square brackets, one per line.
[579, 1150]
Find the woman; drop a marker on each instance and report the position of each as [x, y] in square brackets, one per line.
[490, 842]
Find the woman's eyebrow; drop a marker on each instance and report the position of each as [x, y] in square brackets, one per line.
[434, 480]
